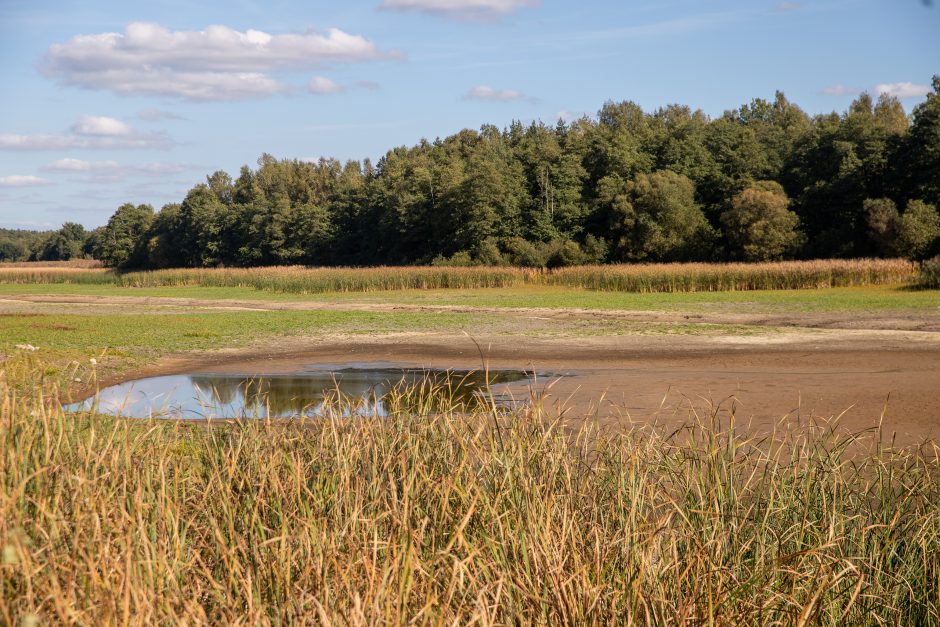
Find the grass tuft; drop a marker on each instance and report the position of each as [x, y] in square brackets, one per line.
[435, 515]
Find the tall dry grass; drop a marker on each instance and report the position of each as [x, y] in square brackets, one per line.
[15, 274]
[442, 517]
[710, 277]
[691, 277]
[71, 263]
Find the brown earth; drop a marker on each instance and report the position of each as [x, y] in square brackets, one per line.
[918, 320]
[667, 379]
[868, 368]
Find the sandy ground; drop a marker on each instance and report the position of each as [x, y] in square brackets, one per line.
[664, 379]
[923, 320]
[869, 368]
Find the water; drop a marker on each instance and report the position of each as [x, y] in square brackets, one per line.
[365, 391]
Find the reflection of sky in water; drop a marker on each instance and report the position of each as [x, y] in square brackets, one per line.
[279, 396]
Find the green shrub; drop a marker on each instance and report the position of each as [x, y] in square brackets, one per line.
[930, 274]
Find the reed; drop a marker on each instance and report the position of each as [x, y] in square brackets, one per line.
[71, 263]
[689, 277]
[14, 274]
[708, 277]
[439, 516]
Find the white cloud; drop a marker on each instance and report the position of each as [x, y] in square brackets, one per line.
[79, 165]
[485, 92]
[323, 86]
[841, 90]
[789, 6]
[903, 90]
[101, 126]
[112, 171]
[217, 63]
[460, 9]
[89, 133]
[22, 180]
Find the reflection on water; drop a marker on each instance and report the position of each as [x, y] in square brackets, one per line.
[364, 391]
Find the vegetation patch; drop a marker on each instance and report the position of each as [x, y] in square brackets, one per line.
[694, 277]
[456, 517]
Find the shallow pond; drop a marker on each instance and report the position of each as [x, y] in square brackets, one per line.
[362, 390]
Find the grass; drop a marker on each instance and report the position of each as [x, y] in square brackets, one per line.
[642, 278]
[447, 518]
[120, 342]
[71, 263]
[185, 331]
[845, 299]
[436, 515]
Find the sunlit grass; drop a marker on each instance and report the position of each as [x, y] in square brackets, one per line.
[875, 297]
[436, 516]
[688, 277]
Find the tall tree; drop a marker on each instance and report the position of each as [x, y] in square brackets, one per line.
[919, 231]
[919, 158]
[123, 241]
[656, 218]
[760, 226]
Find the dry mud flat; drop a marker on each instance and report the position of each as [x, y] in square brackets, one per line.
[667, 379]
[923, 320]
[870, 368]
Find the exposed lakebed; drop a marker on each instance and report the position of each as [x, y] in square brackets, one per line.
[350, 390]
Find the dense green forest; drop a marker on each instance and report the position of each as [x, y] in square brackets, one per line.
[765, 181]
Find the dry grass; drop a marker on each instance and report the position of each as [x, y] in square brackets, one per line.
[440, 517]
[706, 277]
[15, 274]
[696, 277]
[71, 263]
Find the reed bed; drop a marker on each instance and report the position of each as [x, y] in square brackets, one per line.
[13, 274]
[301, 280]
[71, 263]
[690, 277]
[440, 517]
[709, 277]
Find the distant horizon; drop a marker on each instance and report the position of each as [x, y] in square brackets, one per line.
[113, 104]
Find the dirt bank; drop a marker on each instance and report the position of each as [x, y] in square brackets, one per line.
[648, 378]
[926, 320]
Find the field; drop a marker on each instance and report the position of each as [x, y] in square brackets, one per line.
[699, 449]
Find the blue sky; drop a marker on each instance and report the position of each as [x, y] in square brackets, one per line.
[113, 102]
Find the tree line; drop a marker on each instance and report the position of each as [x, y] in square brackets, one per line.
[71, 241]
[765, 181]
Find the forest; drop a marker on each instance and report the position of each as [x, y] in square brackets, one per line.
[763, 182]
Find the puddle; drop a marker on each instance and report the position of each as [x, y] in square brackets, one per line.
[365, 391]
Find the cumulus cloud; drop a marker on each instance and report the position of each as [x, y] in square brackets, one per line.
[841, 90]
[323, 86]
[101, 126]
[460, 9]
[485, 92]
[218, 63]
[903, 90]
[79, 165]
[22, 180]
[112, 171]
[89, 133]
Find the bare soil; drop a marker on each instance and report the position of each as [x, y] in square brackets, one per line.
[664, 379]
[871, 369]
[919, 320]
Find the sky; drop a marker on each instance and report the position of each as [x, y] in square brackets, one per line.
[107, 102]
